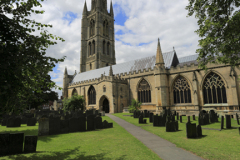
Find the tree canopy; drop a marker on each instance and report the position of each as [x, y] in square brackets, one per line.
[24, 63]
[219, 22]
[73, 103]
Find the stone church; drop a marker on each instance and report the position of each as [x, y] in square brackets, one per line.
[158, 82]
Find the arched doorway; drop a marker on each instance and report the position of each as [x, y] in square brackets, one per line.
[105, 105]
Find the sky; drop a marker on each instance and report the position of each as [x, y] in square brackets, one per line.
[138, 25]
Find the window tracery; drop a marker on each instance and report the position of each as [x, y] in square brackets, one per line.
[108, 48]
[104, 44]
[214, 90]
[91, 95]
[92, 28]
[90, 49]
[93, 47]
[105, 28]
[144, 92]
[181, 91]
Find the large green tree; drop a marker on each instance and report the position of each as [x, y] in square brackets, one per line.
[24, 64]
[73, 103]
[219, 22]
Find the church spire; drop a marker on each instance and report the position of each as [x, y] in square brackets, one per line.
[111, 10]
[85, 9]
[111, 71]
[159, 56]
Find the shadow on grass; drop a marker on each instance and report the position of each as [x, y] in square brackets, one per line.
[73, 154]
[203, 136]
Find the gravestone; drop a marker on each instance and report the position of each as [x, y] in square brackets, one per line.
[100, 114]
[199, 131]
[141, 120]
[14, 122]
[24, 120]
[4, 144]
[64, 126]
[193, 117]
[4, 122]
[16, 143]
[82, 121]
[98, 122]
[150, 117]
[237, 119]
[177, 116]
[191, 130]
[189, 119]
[31, 122]
[43, 127]
[74, 125]
[228, 121]
[173, 118]
[107, 125]
[91, 123]
[146, 114]
[30, 144]
[103, 113]
[54, 125]
[172, 126]
[239, 130]
[222, 122]
[180, 119]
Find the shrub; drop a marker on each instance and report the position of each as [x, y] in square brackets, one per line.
[135, 106]
[73, 103]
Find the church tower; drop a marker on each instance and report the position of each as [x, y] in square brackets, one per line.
[97, 36]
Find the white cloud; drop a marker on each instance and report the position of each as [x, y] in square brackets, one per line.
[147, 20]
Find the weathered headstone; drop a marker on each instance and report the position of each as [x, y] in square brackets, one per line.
[199, 130]
[222, 122]
[30, 144]
[64, 126]
[54, 125]
[43, 127]
[82, 121]
[141, 120]
[31, 121]
[16, 143]
[180, 119]
[228, 121]
[189, 119]
[191, 130]
[91, 123]
[193, 117]
[150, 117]
[98, 122]
[4, 144]
[74, 125]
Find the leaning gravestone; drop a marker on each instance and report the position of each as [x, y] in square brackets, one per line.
[43, 127]
[74, 125]
[16, 143]
[31, 121]
[90, 123]
[191, 130]
[30, 144]
[107, 125]
[4, 144]
[228, 121]
[54, 125]
[98, 122]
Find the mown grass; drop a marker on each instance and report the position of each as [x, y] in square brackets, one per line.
[214, 145]
[107, 144]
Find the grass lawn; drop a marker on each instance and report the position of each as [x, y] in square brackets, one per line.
[219, 145]
[114, 143]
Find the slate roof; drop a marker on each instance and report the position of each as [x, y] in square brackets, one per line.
[139, 64]
[188, 60]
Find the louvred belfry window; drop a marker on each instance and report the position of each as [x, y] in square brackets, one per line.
[214, 91]
[144, 92]
[91, 95]
[181, 91]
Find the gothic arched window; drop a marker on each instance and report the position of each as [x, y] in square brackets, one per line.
[108, 48]
[90, 49]
[91, 95]
[74, 92]
[93, 47]
[104, 44]
[181, 91]
[214, 90]
[92, 28]
[104, 88]
[144, 92]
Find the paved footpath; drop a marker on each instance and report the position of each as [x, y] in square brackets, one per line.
[163, 148]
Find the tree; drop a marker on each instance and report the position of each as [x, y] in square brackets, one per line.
[135, 106]
[73, 103]
[219, 22]
[24, 64]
